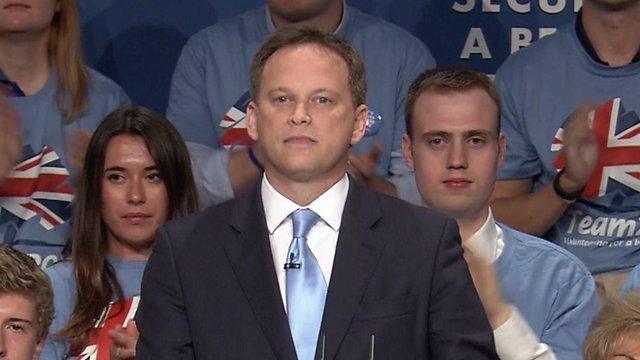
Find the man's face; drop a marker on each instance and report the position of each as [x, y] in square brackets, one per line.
[617, 4]
[298, 10]
[627, 347]
[455, 150]
[304, 117]
[19, 333]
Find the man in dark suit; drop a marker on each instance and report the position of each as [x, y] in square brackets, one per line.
[311, 265]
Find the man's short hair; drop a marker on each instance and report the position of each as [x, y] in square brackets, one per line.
[293, 36]
[448, 80]
[20, 274]
[618, 318]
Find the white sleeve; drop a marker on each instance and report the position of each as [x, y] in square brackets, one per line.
[516, 341]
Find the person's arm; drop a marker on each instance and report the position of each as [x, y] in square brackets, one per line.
[220, 173]
[534, 212]
[574, 306]
[161, 317]
[513, 337]
[633, 282]
[416, 59]
[364, 167]
[515, 340]
[458, 327]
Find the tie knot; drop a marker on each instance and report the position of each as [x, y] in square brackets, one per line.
[303, 220]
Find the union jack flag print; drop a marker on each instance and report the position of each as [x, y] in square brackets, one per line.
[618, 135]
[37, 185]
[235, 124]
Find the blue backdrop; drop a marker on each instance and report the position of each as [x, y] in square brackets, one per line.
[137, 42]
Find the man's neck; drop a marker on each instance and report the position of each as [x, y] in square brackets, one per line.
[469, 225]
[301, 192]
[24, 60]
[614, 32]
[326, 21]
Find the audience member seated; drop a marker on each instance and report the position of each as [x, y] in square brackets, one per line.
[568, 177]
[538, 297]
[615, 332]
[58, 101]
[210, 91]
[633, 282]
[26, 306]
[138, 178]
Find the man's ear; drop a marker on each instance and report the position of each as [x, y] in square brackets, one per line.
[362, 112]
[502, 148]
[406, 151]
[252, 125]
[39, 347]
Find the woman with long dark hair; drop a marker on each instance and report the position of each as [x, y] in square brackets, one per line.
[137, 175]
[57, 97]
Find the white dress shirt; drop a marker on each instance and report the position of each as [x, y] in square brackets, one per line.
[323, 236]
[514, 339]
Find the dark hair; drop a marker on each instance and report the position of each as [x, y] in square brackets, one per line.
[20, 274]
[95, 277]
[449, 79]
[292, 36]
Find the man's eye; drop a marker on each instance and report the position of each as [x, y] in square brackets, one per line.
[477, 140]
[436, 142]
[16, 327]
[280, 99]
[323, 100]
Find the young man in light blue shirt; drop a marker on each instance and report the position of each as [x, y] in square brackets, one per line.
[538, 297]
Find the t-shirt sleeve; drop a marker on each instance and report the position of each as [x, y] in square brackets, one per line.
[188, 109]
[521, 160]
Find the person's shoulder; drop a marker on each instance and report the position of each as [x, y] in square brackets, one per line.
[60, 273]
[102, 83]
[544, 254]
[404, 214]
[102, 87]
[382, 31]
[543, 53]
[207, 221]
[238, 29]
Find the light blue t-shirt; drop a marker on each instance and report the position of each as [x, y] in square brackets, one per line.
[541, 86]
[633, 282]
[551, 288]
[212, 74]
[43, 184]
[129, 275]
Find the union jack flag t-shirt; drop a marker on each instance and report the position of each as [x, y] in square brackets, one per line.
[541, 86]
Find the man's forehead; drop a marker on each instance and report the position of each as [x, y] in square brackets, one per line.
[450, 110]
[312, 49]
[17, 305]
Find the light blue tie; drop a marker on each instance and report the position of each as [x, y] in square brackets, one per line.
[306, 287]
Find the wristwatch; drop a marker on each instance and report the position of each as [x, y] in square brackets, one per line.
[567, 196]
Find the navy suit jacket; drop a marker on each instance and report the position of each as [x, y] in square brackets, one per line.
[399, 281]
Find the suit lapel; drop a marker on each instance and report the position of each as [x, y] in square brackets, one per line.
[252, 262]
[357, 253]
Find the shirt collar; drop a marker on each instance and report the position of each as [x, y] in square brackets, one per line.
[329, 205]
[11, 87]
[488, 242]
[588, 47]
[272, 28]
